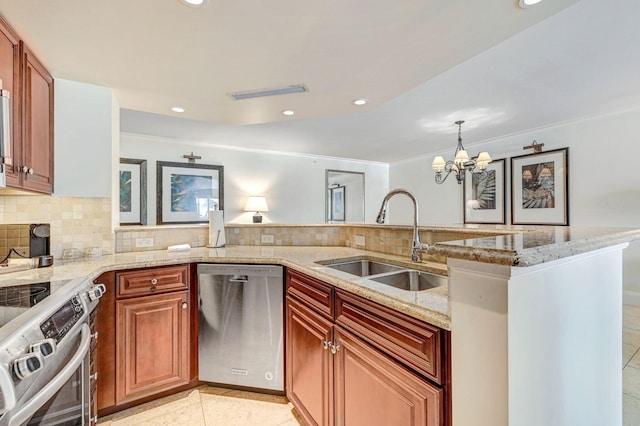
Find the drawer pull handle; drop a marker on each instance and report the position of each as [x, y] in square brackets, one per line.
[154, 281]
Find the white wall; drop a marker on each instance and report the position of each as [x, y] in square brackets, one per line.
[84, 139]
[604, 186]
[293, 185]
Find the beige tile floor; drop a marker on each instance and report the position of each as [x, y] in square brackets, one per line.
[208, 405]
[631, 365]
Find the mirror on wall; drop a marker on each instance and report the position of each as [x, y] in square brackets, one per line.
[344, 196]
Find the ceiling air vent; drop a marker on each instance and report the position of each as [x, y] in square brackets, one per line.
[248, 94]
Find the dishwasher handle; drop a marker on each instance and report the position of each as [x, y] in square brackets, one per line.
[238, 278]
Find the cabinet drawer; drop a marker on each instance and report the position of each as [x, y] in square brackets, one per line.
[151, 281]
[412, 342]
[312, 292]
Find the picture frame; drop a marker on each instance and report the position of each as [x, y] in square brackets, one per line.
[133, 191]
[540, 188]
[337, 208]
[484, 195]
[185, 192]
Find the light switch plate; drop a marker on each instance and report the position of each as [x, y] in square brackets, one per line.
[360, 241]
[267, 239]
[144, 242]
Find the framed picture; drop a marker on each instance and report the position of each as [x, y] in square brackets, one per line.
[540, 188]
[484, 195]
[186, 192]
[337, 207]
[133, 191]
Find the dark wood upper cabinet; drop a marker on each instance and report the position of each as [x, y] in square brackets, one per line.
[29, 162]
[37, 124]
[10, 76]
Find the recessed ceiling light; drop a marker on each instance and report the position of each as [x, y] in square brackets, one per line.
[528, 3]
[194, 3]
[360, 101]
[177, 109]
[288, 112]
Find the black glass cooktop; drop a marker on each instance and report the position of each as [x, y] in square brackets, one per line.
[16, 299]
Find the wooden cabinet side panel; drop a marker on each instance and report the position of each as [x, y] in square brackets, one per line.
[106, 347]
[372, 389]
[309, 367]
[152, 345]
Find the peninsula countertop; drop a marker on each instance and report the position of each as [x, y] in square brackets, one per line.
[516, 247]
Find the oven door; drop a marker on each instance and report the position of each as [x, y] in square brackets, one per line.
[65, 399]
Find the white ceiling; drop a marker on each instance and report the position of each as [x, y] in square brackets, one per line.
[423, 64]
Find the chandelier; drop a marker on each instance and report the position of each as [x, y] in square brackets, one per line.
[461, 162]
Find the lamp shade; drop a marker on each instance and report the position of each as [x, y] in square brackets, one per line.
[483, 160]
[438, 163]
[256, 204]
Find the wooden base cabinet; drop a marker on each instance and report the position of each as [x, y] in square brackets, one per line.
[372, 389]
[148, 339]
[309, 365]
[341, 376]
[153, 344]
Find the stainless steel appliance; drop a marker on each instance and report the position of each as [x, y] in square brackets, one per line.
[5, 134]
[241, 325]
[44, 354]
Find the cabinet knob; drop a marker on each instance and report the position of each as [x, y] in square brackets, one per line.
[154, 281]
[184, 305]
[94, 376]
[335, 349]
[27, 170]
[325, 345]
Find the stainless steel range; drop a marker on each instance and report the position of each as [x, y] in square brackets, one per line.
[44, 352]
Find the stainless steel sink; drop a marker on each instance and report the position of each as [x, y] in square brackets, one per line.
[412, 280]
[364, 268]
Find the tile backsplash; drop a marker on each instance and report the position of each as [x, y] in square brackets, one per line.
[76, 223]
[13, 236]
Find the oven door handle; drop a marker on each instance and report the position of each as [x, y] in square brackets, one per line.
[49, 390]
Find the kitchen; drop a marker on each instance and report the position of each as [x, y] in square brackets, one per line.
[81, 206]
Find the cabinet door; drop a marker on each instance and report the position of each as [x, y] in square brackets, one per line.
[10, 76]
[152, 339]
[309, 366]
[37, 125]
[372, 389]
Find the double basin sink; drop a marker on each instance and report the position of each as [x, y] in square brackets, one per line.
[391, 275]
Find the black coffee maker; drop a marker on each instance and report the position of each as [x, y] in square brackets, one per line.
[39, 244]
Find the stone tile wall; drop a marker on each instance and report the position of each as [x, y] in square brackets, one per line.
[76, 223]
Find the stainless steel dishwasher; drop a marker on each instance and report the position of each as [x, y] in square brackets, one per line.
[240, 330]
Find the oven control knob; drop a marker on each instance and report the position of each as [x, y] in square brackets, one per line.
[46, 348]
[75, 300]
[27, 365]
[96, 292]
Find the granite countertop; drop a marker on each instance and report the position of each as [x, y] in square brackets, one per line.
[431, 306]
[517, 246]
[531, 245]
